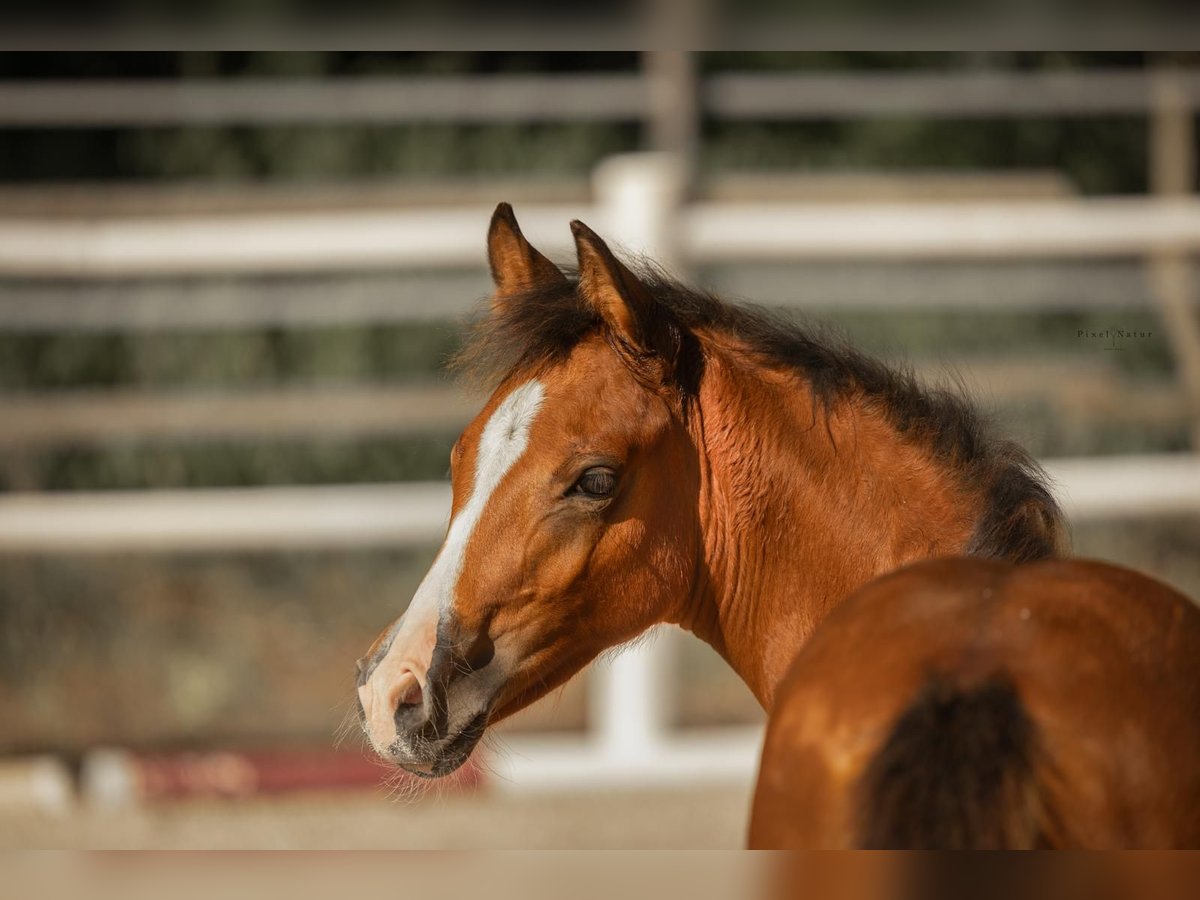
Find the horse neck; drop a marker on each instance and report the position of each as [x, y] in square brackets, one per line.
[799, 505]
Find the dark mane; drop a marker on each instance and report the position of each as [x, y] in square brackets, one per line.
[1021, 522]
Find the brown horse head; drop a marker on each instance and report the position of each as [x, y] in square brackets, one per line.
[573, 524]
[652, 454]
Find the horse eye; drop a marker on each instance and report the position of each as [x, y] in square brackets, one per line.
[596, 484]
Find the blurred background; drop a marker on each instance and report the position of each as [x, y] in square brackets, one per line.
[228, 285]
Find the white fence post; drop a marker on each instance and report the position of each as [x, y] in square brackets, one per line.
[639, 195]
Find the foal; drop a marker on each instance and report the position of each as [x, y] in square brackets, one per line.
[650, 454]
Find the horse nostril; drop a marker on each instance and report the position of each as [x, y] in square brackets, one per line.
[409, 710]
[412, 695]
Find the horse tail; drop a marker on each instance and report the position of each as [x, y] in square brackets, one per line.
[956, 772]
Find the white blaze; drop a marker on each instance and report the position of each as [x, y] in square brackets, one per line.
[504, 439]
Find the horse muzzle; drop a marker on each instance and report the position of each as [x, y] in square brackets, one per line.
[425, 720]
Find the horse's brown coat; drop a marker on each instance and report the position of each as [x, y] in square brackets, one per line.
[1105, 661]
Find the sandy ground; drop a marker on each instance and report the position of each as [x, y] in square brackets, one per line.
[710, 818]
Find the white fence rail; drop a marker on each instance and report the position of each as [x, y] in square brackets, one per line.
[709, 232]
[267, 518]
[279, 518]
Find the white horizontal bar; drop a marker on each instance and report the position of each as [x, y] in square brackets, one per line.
[1084, 228]
[227, 519]
[414, 513]
[529, 764]
[291, 242]
[723, 232]
[261, 101]
[1119, 486]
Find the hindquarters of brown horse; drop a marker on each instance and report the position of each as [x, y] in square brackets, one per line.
[967, 703]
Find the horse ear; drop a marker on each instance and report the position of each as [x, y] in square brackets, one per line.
[622, 300]
[516, 265]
